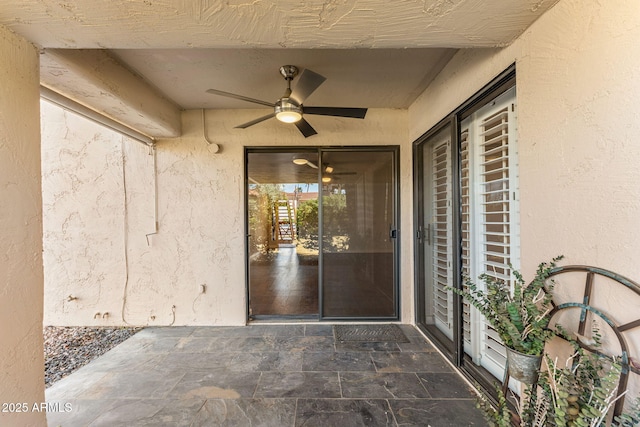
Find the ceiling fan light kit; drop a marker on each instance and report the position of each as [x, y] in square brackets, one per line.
[300, 161]
[287, 111]
[289, 108]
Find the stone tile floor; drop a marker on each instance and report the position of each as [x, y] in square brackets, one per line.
[264, 375]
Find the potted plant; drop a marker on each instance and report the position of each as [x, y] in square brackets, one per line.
[578, 393]
[581, 393]
[519, 314]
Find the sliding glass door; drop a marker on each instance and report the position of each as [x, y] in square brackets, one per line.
[322, 233]
[467, 220]
[359, 234]
[437, 232]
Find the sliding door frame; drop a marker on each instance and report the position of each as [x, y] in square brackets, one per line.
[247, 231]
[452, 349]
[319, 150]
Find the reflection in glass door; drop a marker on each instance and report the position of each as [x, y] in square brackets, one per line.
[359, 236]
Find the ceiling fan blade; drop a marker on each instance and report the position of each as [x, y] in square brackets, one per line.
[308, 82]
[240, 97]
[256, 121]
[305, 128]
[355, 113]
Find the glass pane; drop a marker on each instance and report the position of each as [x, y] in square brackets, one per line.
[358, 219]
[283, 234]
[438, 236]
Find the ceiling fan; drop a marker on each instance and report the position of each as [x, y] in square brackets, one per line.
[289, 108]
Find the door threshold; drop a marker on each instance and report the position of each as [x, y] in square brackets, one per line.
[264, 318]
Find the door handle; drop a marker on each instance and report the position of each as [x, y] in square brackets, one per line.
[393, 234]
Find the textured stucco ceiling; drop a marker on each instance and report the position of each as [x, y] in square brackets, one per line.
[374, 53]
[302, 24]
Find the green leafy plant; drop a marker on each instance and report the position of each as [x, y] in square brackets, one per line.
[261, 200]
[307, 219]
[496, 416]
[335, 222]
[630, 418]
[520, 314]
[579, 394]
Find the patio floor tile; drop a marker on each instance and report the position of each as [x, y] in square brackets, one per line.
[381, 385]
[264, 375]
[299, 384]
[344, 412]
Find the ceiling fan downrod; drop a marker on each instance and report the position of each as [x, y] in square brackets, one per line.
[288, 72]
[287, 110]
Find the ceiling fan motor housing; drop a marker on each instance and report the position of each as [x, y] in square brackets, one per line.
[287, 110]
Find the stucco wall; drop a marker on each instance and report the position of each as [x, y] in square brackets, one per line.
[578, 82]
[578, 70]
[200, 237]
[83, 204]
[21, 279]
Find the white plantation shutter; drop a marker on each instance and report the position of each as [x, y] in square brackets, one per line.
[465, 195]
[495, 195]
[441, 236]
[493, 210]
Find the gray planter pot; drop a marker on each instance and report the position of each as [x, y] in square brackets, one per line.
[523, 367]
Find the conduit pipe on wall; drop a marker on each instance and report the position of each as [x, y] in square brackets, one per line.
[126, 234]
[77, 108]
[152, 152]
[214, 147]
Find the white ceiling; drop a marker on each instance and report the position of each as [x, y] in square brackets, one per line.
[374, 53]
